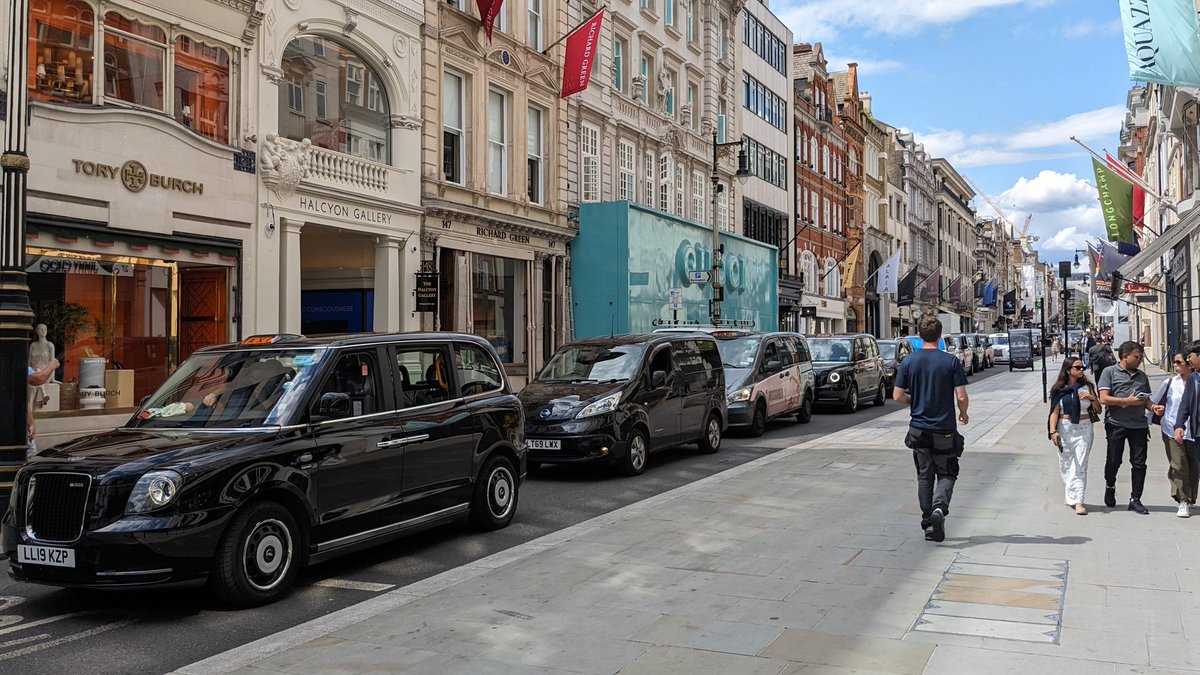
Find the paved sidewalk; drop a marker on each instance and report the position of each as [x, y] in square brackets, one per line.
[808, 560]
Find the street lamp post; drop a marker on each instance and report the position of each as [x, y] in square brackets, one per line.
[742, 174]
[16, 316]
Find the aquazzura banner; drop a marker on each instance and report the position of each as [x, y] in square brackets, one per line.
[1161, 41]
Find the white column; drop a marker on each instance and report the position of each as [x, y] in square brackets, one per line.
[388, 287]
[289, 275]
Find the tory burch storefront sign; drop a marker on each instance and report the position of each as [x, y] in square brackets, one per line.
[134, 176]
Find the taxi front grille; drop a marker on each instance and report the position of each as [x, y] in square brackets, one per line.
[56, 506]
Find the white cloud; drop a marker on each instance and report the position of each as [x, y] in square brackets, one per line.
[1089, 28]
[821, 19]
[1065, 213]
[865, 66]
[1050, 191]
[1034, 143]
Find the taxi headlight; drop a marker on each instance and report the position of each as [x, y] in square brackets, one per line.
[739, 396]
[834, 378]
[604, 405]
[154, 490]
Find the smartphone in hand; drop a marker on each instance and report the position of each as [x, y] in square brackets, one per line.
[1143, 394]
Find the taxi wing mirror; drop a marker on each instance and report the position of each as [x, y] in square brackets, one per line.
[333, 405]
[773, 366]
[658, 379]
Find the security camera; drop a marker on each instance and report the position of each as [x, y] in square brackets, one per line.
[271, 225]
[414, 250]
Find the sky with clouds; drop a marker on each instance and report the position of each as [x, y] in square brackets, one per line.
[998, 87]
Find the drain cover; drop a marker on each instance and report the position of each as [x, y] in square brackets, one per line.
[998, 596]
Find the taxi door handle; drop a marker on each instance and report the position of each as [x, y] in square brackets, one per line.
[402, 441]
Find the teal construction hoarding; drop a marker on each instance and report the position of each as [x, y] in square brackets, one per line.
[627, 258]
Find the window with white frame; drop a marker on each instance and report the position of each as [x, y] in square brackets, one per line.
[375, 96]
[693, 95]
[833, 279]
[322, 99]
[680, 190]
[454, 137]
[534, 162]
[501, 23]
[721, 121]
[699, 198]
[498, 141]
[808, 266]
[589, 151]
[669, 12]
[619, 65]
[647, 70]
[723, 208]
[827, 216]
[535, 25]
[627, 168]
[723, 38]
[295, 88]
[664, 182]
[812, 152]
[355, 75]
[648, 178]
[670, 106]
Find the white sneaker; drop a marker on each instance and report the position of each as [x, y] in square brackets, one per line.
[1184, 511]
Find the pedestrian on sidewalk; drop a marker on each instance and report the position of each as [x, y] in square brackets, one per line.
[1099, 357]
[931, 381]
[1185, 423]
[1055, 348]
[1184, 473]
[35, 378]
[1125, 394]
[1071, 401]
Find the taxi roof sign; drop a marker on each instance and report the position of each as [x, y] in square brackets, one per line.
[270, 339]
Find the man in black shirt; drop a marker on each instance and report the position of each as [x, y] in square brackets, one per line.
[931, 381]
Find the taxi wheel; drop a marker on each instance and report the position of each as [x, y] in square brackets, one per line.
[257, 558]
[634, 462]
[804, 415]
[879, 395]
[759, 423]
[495, 499]
[710, 442]
[851, 403]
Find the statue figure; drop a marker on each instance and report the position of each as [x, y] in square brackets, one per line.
[41, 354]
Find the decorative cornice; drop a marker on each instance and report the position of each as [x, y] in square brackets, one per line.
[253, 21]
[516, 224]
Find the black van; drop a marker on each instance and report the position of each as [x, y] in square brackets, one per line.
[617, 399]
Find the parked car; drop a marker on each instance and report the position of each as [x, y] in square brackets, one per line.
[615, 400]
[893, 353]
[978, 351]
[989, 354]
[956, 344]
[999, 347]
[847, 366]
[255, 459]
[767, 375]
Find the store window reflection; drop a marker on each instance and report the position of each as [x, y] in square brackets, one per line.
[333, 98]
[498, 304]
[136, 60]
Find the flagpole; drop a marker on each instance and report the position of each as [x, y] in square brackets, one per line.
[1136, 179]
[839, 262]
[566, 35]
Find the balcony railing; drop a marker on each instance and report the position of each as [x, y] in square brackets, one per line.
[327, 166]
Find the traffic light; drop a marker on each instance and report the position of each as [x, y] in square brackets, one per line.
[1064, 295]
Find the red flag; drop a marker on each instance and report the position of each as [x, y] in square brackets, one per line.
[488, 11]
[581, 51]
[1139, 195]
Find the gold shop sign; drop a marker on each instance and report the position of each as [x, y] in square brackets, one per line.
[134, 176]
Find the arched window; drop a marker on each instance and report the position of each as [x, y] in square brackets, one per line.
[833, 278]
[331, 96]
[62, 47]
[808, 265]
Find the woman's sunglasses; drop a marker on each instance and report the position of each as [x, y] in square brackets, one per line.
[1078, 368]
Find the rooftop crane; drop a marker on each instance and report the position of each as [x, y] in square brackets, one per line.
[999, 213]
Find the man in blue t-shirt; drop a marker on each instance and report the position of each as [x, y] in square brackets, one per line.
[930, 381]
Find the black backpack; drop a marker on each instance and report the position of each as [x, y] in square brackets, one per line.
[1103, 358]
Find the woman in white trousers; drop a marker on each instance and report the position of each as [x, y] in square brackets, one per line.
[1071, 397]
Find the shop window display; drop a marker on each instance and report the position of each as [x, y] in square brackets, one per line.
[356, 122]
[498, 304]
[134, 62]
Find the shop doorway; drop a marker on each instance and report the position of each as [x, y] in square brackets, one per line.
[337, 281]
[203, 309]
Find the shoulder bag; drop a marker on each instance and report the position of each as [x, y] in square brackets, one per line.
[1162, 400]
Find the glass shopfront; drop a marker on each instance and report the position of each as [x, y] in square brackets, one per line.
[498, 292]
[127, 319]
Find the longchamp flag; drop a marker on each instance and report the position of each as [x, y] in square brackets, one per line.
[581, 51]
[1116, 202]
[1161, 41]
[907, 289]
[488, 11]
[887, 276]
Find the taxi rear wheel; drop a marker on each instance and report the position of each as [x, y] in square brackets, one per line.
[257, 559]
[851, 403]
[495, 499]
[804, 414]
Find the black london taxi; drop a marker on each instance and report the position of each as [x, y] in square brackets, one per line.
[257, 458]
[615, 400]
[847, 367]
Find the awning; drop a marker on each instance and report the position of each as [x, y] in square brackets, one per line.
[1165, 242]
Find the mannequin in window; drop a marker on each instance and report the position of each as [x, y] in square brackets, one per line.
[41, 354]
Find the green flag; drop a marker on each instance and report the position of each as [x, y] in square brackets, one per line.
[1116, 203]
